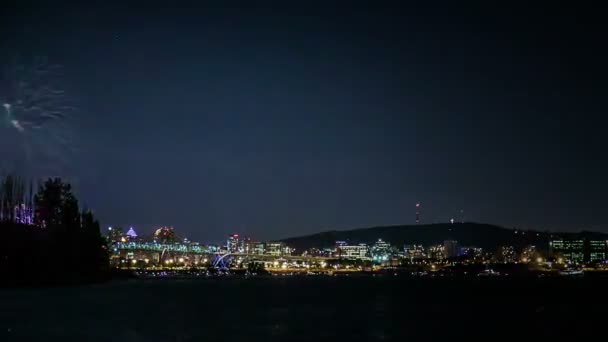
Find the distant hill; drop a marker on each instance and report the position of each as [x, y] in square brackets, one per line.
[487, 236]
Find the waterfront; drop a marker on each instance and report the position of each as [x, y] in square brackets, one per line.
[283, 308]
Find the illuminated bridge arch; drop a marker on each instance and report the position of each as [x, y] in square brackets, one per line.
[219, 260]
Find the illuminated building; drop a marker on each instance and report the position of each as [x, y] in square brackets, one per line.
[579, 250]
[450, 248]
[325, 252]
[259, 248]
[250, 246]
[414, 251]
[596, 250]
[275, 248]
[381, 251]
[243, 245]
[131, 234]
[360, 251]
[436, 252]
[234, 244]
[572, 250]
[286, 250]
[506, 254]
[254, 247]
[470, 252]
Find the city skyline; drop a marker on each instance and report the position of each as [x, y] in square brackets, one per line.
[286, 121]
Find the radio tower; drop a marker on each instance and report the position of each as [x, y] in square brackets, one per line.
[417, 213]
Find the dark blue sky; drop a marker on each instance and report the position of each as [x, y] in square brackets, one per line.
[275, 122]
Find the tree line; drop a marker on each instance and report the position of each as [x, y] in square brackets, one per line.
[46, 237]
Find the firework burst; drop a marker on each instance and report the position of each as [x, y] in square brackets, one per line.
[35, 138]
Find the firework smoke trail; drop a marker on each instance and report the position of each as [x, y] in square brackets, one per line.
[35, 138]
[9, 117]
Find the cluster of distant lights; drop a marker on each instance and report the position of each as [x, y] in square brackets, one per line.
[378, 258]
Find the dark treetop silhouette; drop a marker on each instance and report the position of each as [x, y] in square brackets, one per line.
[47, 239]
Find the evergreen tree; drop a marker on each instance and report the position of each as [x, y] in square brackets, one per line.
[65, 244]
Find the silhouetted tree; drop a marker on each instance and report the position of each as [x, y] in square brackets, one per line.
[64, 245]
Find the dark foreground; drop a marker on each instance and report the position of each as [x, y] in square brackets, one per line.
[308, 309]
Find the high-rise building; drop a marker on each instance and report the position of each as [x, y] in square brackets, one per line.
[572, 250]
[233, 243]
[450, 248]
[381, 250]
[595, 251]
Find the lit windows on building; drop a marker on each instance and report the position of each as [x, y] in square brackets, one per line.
[506, 254]
[570, 250]
[381, 251]
[436, 252]
[259, 248]
[470, 252]
[414, 251]
[254, 247]
[597, 250]
[286, 250]
[234, 244]
[275, 248]
[360, 251]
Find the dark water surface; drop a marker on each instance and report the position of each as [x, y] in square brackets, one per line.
[307, 309]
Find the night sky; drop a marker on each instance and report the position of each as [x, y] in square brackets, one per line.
[281, 121]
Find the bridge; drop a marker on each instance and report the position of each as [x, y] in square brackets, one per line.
[195, 253]
[162, 247]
